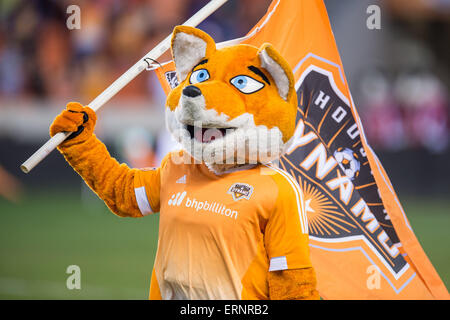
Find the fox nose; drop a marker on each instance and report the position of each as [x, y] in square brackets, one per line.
[191, 91]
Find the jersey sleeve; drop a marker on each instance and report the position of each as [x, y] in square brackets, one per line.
[286, 233]
[147, 186]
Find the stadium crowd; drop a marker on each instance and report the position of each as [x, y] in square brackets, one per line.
[41, 59]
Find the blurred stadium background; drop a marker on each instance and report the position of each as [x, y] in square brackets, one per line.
[399, 77]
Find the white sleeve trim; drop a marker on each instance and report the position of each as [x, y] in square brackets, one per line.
[299, 197]
[278, 263]
[142, 201]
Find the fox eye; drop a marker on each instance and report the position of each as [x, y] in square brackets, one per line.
[199, 76]
[246, 84]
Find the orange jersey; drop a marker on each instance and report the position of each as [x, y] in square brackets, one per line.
[220, 235]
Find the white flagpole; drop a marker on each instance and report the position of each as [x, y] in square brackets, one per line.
[121, 82]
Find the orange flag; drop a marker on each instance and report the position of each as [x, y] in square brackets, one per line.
[362, 245]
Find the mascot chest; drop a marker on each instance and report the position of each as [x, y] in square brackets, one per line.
[197, 202]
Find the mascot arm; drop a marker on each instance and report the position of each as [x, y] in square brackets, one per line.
[291, 274]
[111, 181]
[295, 284]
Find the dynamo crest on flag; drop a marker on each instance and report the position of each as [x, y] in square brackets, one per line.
[362, 245]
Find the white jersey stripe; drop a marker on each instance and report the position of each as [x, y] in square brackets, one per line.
[142, 201]
[302, 202]
[296, 195]
[299, 191]
[299, 197]
[278, 263]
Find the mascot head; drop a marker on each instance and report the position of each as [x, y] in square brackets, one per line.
[233, 106]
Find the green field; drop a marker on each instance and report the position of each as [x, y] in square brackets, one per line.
[45, 233]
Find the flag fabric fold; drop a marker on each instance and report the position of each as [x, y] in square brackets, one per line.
[362, 245]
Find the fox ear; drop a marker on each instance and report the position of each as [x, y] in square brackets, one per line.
[189, 47]
[279, 69]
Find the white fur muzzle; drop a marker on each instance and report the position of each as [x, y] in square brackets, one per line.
[243, 142]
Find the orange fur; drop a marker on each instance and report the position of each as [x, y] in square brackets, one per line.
[111, 181]
[71, 119]
[296, 284]
[266, 105]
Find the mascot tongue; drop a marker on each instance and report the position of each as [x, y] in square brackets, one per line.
[199, 133]
[206, 135]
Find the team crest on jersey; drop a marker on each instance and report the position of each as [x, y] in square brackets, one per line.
[240, 191]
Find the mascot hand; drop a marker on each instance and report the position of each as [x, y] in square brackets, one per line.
[77, 119]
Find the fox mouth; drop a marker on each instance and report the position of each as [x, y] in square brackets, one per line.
[207, 135]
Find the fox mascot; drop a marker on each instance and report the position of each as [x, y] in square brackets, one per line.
[232, 224]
